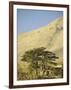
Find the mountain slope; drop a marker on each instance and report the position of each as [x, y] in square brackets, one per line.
[50, 37]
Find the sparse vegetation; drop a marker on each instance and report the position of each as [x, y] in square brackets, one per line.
[41, 65]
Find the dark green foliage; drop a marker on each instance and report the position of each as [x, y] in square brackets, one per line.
[42, 64]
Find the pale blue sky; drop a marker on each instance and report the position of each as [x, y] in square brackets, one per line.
[28, 19]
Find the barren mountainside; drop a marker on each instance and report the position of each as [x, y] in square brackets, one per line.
[50, 37]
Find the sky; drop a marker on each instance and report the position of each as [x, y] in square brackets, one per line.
[28, 19]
